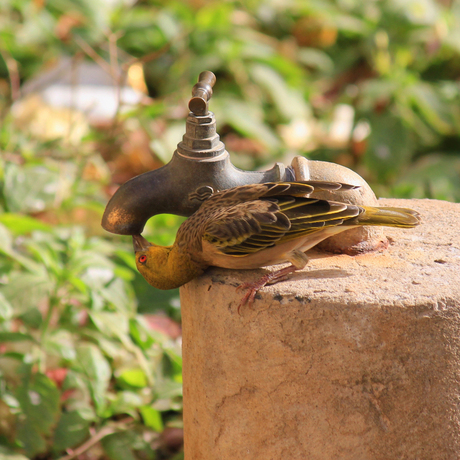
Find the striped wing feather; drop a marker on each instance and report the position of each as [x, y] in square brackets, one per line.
[246, 228]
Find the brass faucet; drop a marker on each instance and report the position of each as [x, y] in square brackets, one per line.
[201, 165]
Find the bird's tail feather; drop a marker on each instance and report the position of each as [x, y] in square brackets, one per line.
[387, 216]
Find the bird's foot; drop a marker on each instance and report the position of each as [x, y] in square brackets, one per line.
[269, 278]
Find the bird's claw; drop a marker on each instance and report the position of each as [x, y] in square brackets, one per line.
[269, 278]
[253, 289]
[249, 297]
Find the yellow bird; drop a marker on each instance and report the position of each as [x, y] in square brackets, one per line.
[257, 225]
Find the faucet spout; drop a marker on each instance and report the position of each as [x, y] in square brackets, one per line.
[177, 188]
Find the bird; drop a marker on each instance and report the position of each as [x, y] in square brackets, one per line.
[257, 225]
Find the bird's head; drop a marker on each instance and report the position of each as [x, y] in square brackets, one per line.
[152, 261]
[161, 266]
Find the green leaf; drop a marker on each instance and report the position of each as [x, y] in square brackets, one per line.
[97, 371]
[21, 224]
[126, 402]
[6, 310]
[6, 240]
[29, 438]
[26, 290]
[32, 318]
[165, 145]
[246, 119]
[436, 111]
[388, 154]
[152, 418]
[78, 284]
[117, 446]
[38, 397]
[316, 58]
[176, 360]
[61, 343]
[162, 228]
[135, 378]
[168, 389]
[30, 188]
[71, 430]
[6, 247]
[111, 324]
[432, 176]
[289, 102]
[140, 334]
[10, 401]
[116, 294]
[15, 337]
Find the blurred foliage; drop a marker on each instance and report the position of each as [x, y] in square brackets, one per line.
[371, 85]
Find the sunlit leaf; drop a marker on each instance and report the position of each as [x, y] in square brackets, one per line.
[6, 310]
[61, 343]
[289, 101]
[9, 454]
[6, 240]
[112, 324]
[246, 120]
[132, 378]
[139, 333]
[31, 188]
[26, 290]
[152, 418]
[97, 371]
[116, 294]
[126, 402]
[436, 111]
[318, 59]
[21, 224]
[169, 389]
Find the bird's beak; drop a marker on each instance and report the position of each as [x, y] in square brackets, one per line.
[140, 243]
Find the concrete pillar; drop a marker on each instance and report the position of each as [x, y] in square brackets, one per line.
[353, 358]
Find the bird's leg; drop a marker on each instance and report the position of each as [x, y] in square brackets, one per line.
[269, 278]
[298, 261]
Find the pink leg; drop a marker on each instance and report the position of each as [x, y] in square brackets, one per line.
[269, 278]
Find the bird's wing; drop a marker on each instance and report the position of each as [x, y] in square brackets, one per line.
[309, 216]
[246, 228]
[245, 193]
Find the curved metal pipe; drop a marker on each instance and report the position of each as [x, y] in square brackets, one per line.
[177, 188]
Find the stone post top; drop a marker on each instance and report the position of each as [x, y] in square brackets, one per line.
[421, 266]
[354, 357]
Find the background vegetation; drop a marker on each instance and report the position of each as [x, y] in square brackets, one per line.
[90, 364]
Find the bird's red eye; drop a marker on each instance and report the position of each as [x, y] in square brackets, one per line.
[142, 259]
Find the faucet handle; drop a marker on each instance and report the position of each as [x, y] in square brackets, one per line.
[201, 93]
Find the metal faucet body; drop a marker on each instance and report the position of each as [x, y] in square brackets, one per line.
[201, 166]
[177, 188]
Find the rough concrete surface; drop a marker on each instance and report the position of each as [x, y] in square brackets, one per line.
[352, 358]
